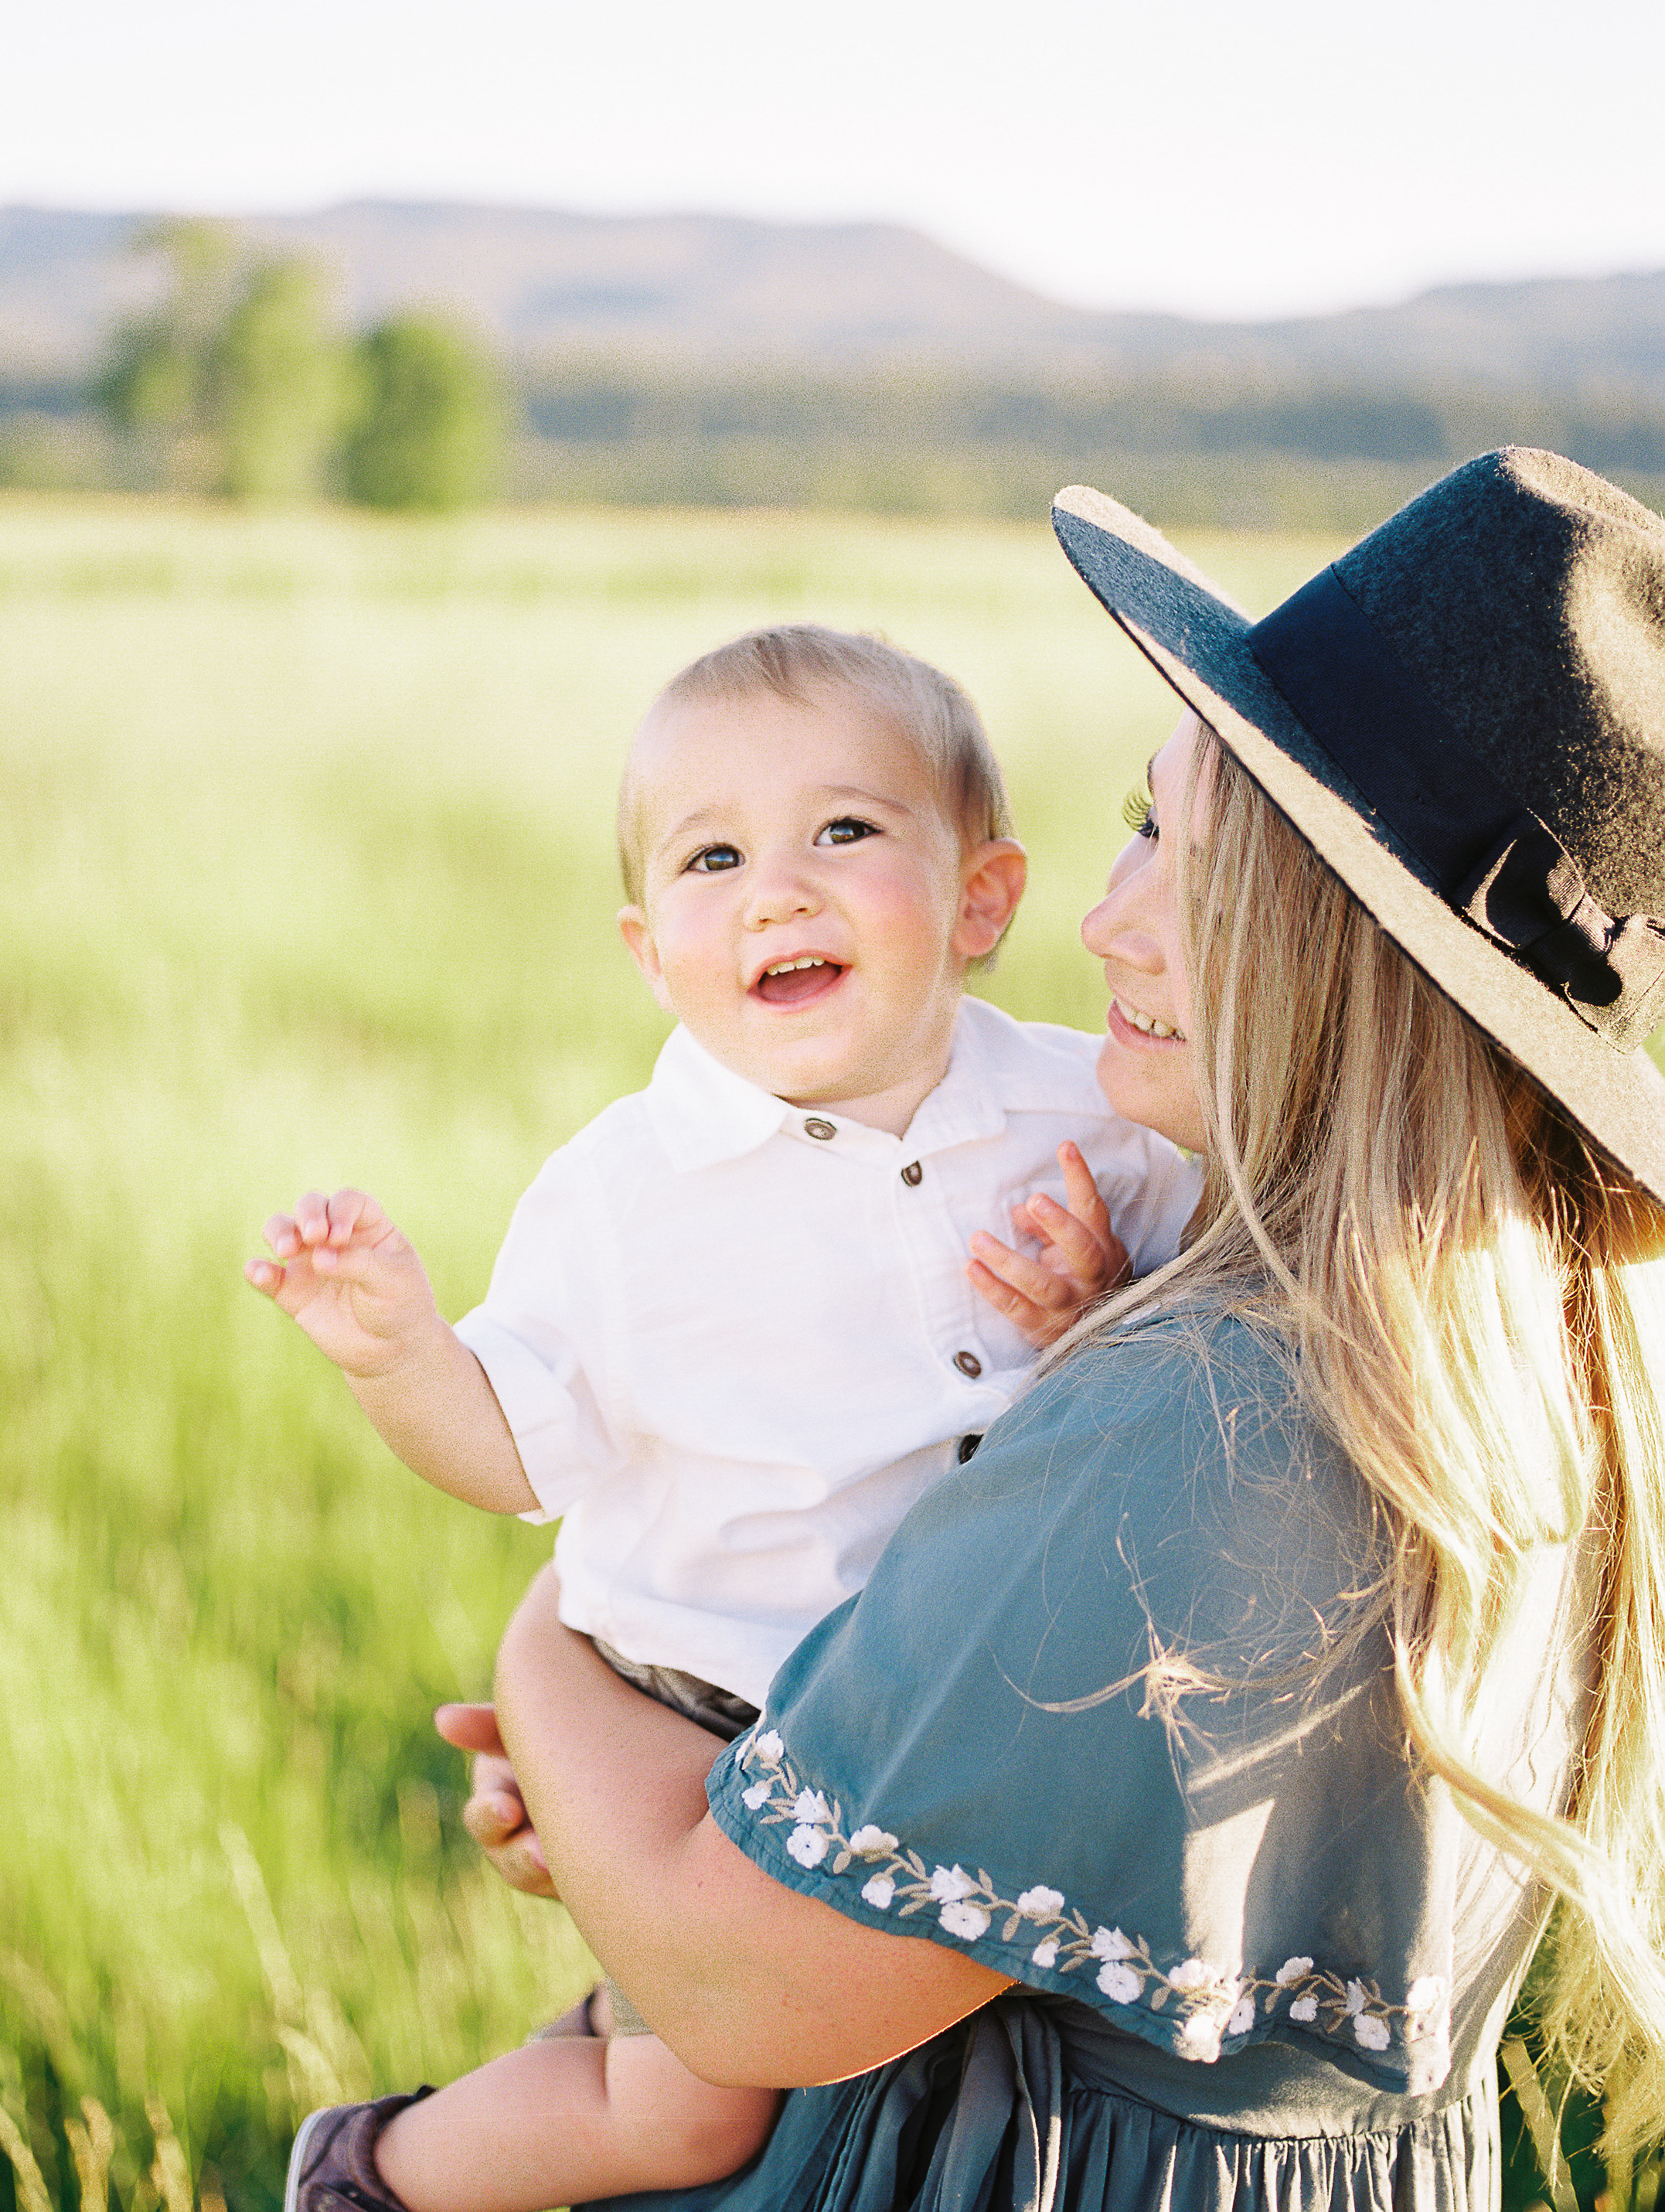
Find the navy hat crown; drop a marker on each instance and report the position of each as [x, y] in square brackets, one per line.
[1465, 716]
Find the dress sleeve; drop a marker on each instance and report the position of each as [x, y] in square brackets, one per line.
[1071, 1725]
[541, 1333]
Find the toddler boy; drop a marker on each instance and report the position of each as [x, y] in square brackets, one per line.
[733, 1335]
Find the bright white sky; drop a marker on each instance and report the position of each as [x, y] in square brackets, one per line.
[1220, 157]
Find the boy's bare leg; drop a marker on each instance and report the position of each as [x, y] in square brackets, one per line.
[558, 2122]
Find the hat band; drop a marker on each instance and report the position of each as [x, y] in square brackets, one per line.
[1491, 858]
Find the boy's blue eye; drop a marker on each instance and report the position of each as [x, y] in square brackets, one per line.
[712, 860]
[848, 829]
[1139, 813]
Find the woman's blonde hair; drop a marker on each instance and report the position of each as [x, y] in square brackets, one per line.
[1475, 1299]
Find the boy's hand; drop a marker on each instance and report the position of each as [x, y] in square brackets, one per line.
[1081, 1257]
[344, 1273]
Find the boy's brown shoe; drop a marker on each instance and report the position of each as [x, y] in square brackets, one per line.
[333, 2163]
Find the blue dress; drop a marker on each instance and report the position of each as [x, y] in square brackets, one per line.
[1073, 1727]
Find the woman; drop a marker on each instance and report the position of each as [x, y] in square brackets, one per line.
[1227, 1727]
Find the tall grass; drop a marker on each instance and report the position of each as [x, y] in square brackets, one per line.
[306, 877]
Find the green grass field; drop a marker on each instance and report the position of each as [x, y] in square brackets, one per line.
[307, 877]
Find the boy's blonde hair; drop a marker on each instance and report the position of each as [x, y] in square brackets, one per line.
[800, 662]
[1472, 1298]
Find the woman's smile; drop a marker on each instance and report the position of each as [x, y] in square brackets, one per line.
[1146, 1066]
[1147, 1026]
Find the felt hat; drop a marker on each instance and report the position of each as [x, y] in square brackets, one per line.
[1465, 717]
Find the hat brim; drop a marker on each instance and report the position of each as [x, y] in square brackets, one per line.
[1198, 641]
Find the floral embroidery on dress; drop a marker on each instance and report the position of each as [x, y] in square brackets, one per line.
[1208, 2002]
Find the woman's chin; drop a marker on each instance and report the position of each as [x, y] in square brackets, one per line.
[1150, 1083]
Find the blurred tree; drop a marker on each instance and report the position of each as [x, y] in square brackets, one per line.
[431, 430]
[235, 383]
[278, 385]
[154, 380]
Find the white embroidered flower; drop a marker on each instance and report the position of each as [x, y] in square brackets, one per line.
[769, 1746]
[970, 1921]
[1356, 1998]
[1201, 2036]
[1372, 2030]
[1243, 2016]
[810, 1806]
[807, 1845]
[756, 1796]
[950, 1884]
[869, 1839]
[1191, 1974]
[1305, 2009]
[1045, 1953]
[1424, 1993]
[1039, 1903]
[877, 1891]
[1110, 1943]
[1291, 1970]
[1119, 1983]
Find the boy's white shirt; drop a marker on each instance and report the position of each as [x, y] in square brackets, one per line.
[732, 1350]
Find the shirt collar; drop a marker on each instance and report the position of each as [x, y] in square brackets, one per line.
[703, 1114]
[970, 1101]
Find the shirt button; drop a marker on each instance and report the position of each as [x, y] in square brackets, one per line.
[969, 1365]
[817, 1128]
[967, 1448]
[913, 1174]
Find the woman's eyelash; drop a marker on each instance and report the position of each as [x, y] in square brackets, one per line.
[1139, 813]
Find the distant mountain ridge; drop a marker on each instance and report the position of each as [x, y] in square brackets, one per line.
[724, 290]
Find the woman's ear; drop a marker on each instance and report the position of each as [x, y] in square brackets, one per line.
[632, 928]
[991, 884]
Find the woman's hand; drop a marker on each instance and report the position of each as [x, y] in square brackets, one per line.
[1080, 1259]
[495, 1814]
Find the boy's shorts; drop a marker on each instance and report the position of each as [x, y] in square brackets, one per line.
[720, 1711]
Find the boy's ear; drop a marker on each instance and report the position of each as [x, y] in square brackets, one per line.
[992, 882]
[632, 928]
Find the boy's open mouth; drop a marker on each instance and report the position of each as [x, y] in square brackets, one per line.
[795, 982]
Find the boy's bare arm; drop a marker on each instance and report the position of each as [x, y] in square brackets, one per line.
[342, 1271]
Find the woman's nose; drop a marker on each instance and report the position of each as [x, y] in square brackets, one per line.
[1116, 928]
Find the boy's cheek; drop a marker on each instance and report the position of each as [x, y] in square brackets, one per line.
[911, 908]
[691, 984]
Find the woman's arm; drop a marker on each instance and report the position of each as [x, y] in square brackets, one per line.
[747, 1981]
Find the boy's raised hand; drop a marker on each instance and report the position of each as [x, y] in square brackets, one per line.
[1081, 1257]
[343, 1271]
